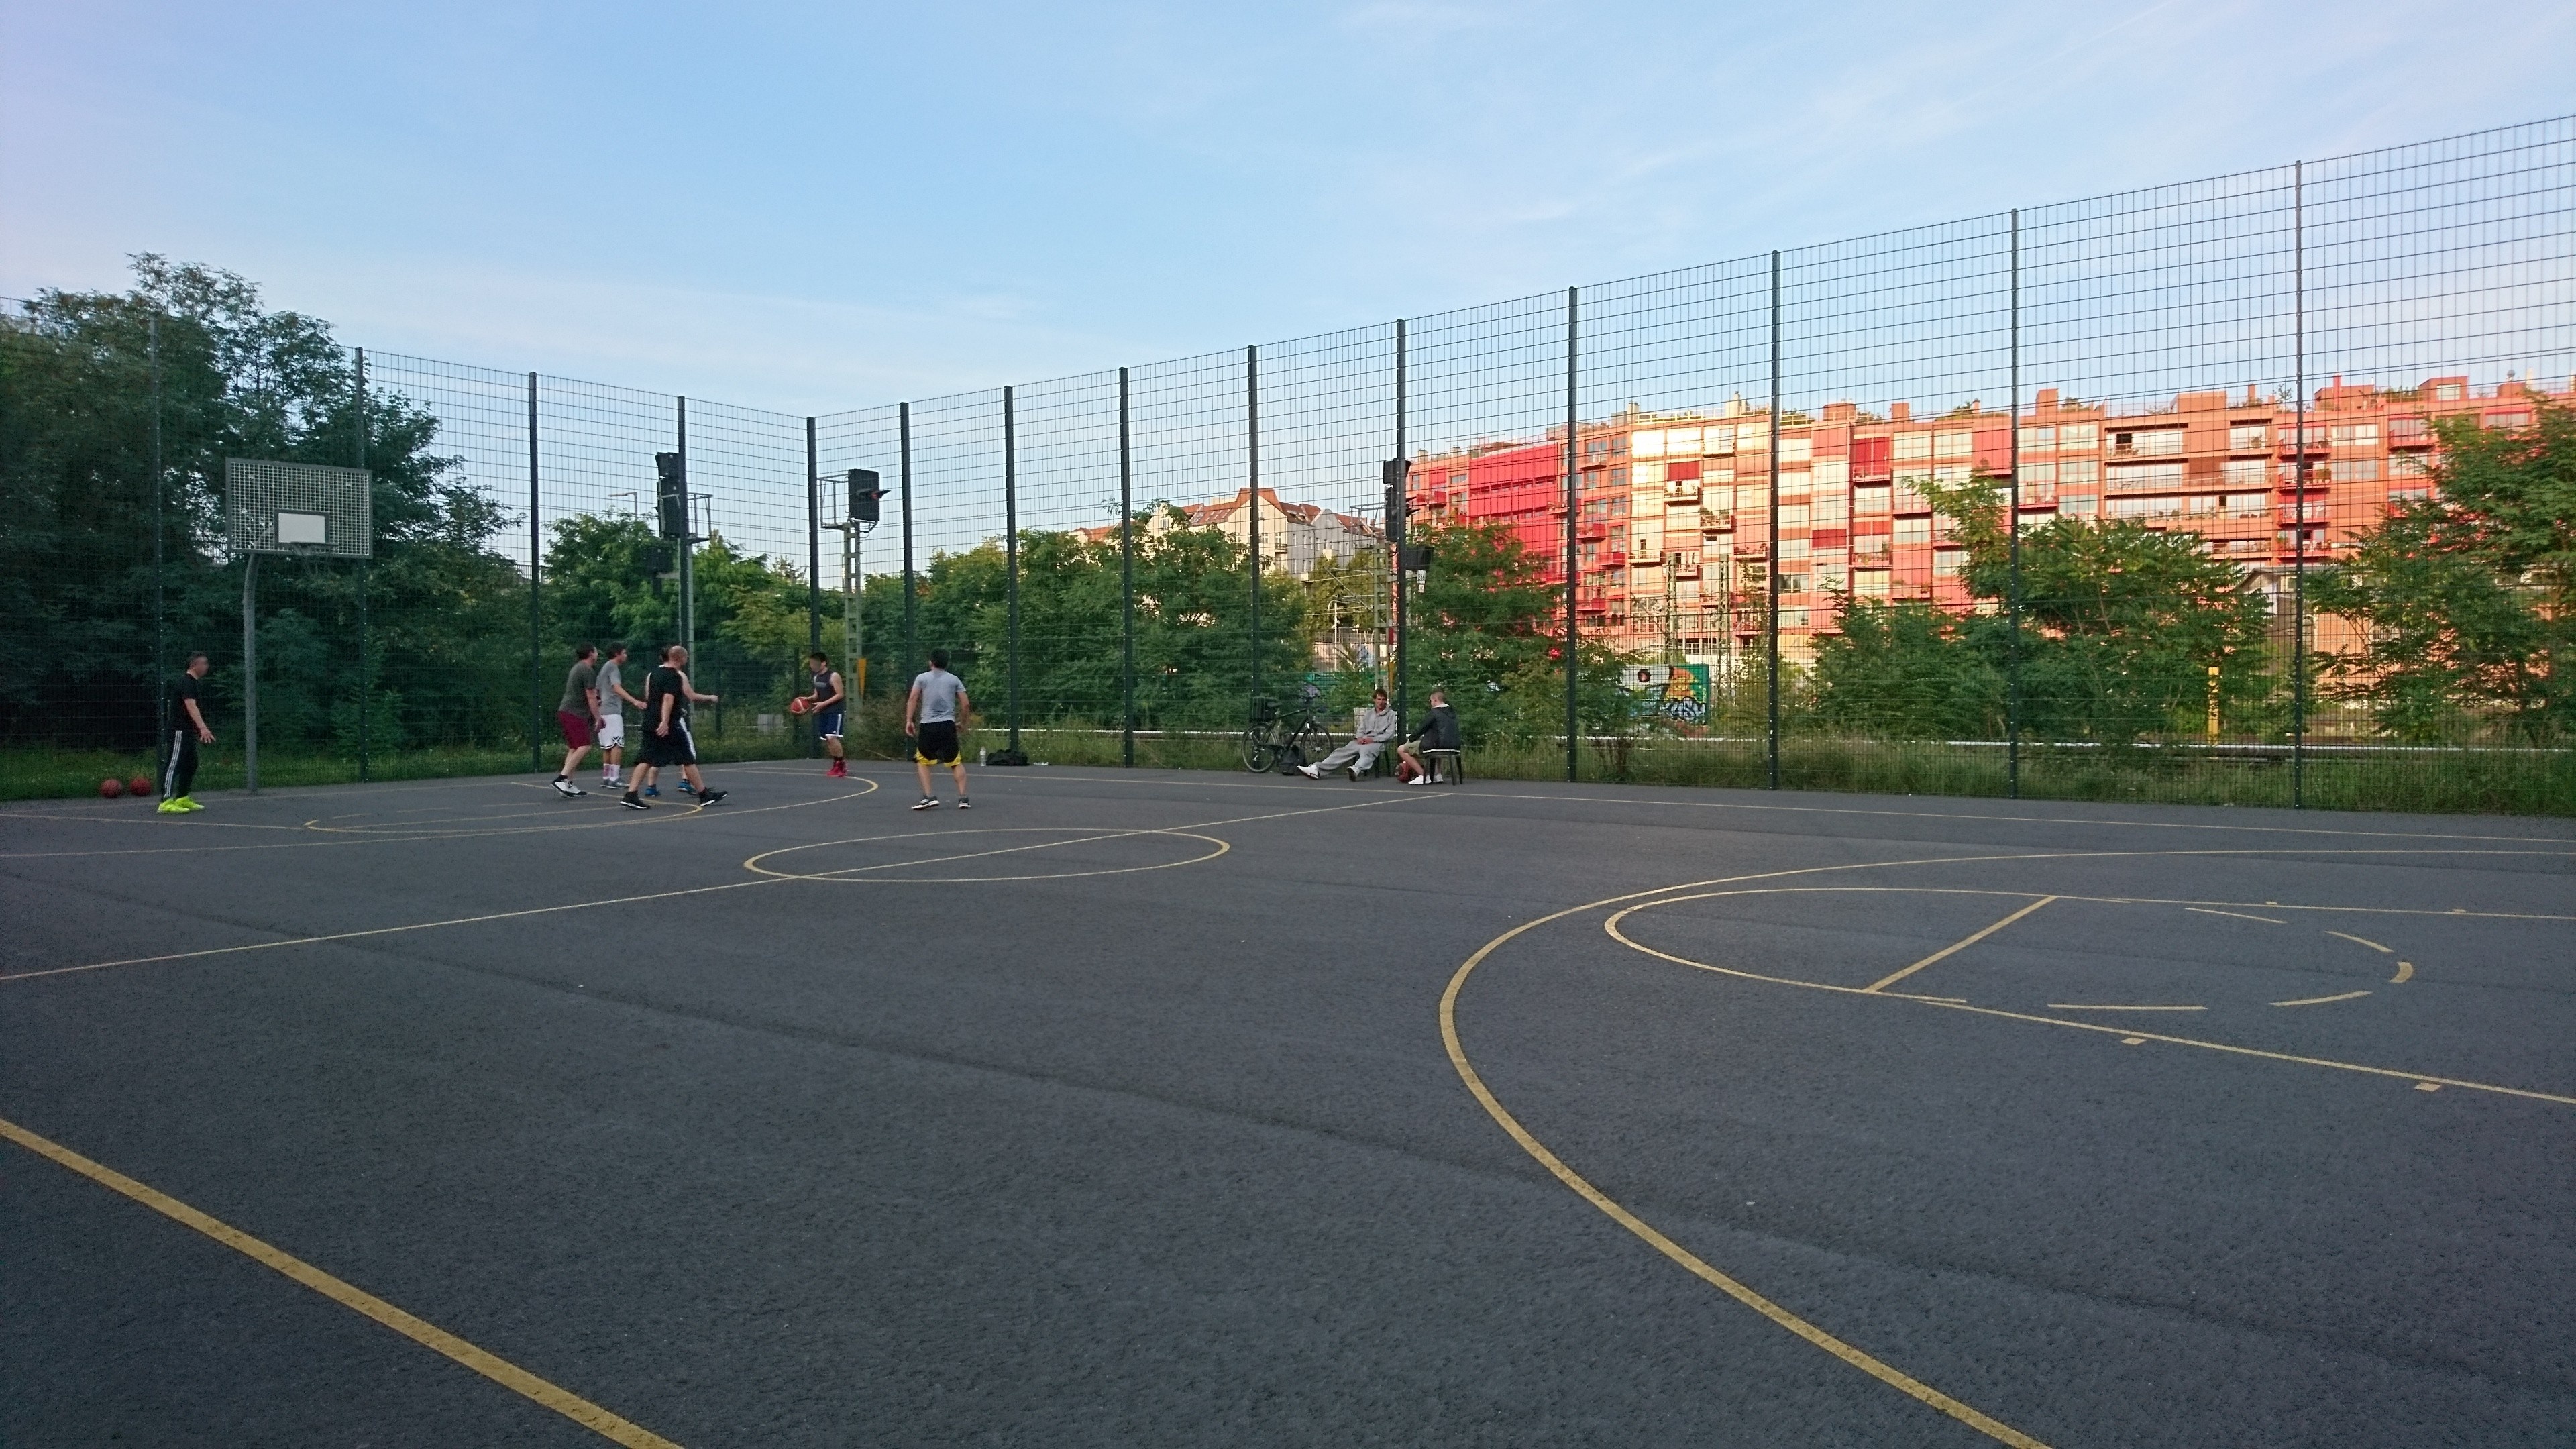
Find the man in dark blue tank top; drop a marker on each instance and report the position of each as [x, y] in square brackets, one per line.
[825, 703]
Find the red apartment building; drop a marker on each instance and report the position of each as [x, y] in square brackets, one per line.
[1673, 535]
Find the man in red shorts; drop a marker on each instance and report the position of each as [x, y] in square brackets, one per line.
[578, 714]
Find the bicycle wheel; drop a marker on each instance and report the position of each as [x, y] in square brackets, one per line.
[1258, 751]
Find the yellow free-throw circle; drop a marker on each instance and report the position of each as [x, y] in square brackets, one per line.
[867, 874]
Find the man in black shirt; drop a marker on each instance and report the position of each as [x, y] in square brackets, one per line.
[667, 697]
[180, 771]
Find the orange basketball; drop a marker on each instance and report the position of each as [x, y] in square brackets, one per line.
[796, 705]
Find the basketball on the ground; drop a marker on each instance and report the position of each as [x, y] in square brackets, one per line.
[796, 705]
[110, 788]
[139, 786]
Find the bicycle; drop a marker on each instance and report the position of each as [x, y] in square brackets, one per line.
[1271, 741]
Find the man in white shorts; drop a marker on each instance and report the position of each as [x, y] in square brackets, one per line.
[613, 700]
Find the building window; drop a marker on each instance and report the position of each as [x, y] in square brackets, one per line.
[2410, 493]
[2508, 420]
[1945, 562]
[1796, 450]
[1831, 472]
[2148, 442]
[2407, 430]
[2354, 435]
[2356, 470]
[1913, 447]
[2448, 392]
[2244, 472]
[2077, 505]
[1647, 443]
[1954, 445]
[2147, 475]
[1872, 502]
[2075, 472]
[2248, 505]
[1649, 474]
[1914, 530]
[2038, 440]
[1870, 584]
[1793, 515]
[2040, 474]
[2248, 438]
[2078, 435]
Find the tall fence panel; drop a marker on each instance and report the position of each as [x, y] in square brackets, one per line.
[2211, 491]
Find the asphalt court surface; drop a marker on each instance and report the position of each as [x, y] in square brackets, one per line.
[1174, 1108]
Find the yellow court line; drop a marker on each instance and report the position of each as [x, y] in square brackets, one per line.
[673, 811]
[2405, 972]
[2239, 915]
[850, 875]
[587, 905]
[429, 1335]
[1611, 926]
[2098, 1006]
[2321, 1000]
[1886, 981]
[2363, 941]
[1698, 1267]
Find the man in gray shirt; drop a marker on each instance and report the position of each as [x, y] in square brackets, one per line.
[577, 716]
[613, 700]
[1375, 726]
[933, 714]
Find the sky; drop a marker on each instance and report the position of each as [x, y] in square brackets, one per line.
[808, 208]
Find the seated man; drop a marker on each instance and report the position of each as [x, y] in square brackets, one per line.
[1439, 732]
[1372, 728]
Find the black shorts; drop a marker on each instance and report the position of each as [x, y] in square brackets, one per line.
[936, 744]
[675, 748]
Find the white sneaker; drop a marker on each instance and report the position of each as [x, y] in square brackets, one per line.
[1355, 774]
[1310, 772]
[1419, 780]
[567, 788]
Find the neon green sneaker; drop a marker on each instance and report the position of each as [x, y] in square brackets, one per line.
[173, 806]
[189, 802]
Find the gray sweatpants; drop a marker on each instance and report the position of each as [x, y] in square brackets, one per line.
[1360, 752]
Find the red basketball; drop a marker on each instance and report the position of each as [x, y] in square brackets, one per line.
[139, 786]
[796, 705]
[109, 789]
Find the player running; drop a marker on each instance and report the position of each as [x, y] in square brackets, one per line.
[577, 715]
[825, 705]
[667, 697]
[938, 701]
[181, 770]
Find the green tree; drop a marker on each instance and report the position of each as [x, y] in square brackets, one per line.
[2120, 624]
[2469, 596]
[236, 381]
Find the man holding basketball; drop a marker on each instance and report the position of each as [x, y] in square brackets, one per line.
[667, 697]
[825, 705]
[932, 714]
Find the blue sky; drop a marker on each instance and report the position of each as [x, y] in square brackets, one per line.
[815, 207]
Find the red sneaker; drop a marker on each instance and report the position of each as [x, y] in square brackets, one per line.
[838, 770]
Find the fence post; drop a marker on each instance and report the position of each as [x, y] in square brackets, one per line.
[1573, 547]
[1011, 555]
[365, 685]
[1771, 547]
[903, 446]
[2299, 480]
[1252, 495]
[2012, 595]
[1403, 624]
[1126, 586]
[813, 543]
[160, 585]
[536, 664]
[250, 671]
[688, 629]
